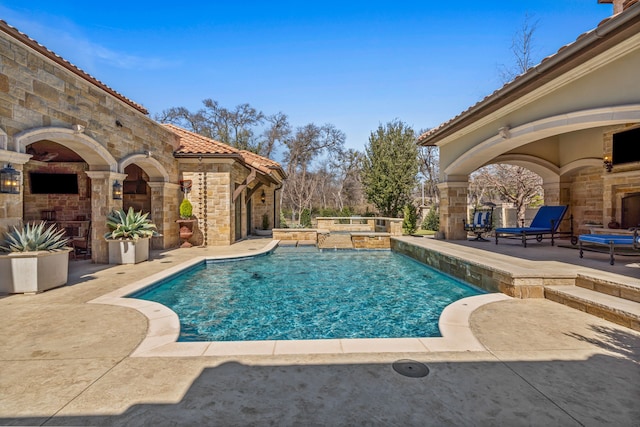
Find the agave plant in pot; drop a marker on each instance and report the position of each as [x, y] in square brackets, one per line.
[33, 258]
[129, 236]
[185, 223]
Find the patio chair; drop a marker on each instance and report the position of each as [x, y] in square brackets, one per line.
[546, 221]
[610, 240]
[82, 245]
[482, 222]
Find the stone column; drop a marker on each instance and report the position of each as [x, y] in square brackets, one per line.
[11, 205]
[101, 204]
[165, 210]
[453, 208]
[559, 193]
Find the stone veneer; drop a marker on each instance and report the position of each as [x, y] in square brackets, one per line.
[482, 276]
[45, 99]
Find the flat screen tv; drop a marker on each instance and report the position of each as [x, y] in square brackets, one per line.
[54, 183]
[626, 147]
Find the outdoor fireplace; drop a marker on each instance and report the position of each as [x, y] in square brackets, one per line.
[630, 211]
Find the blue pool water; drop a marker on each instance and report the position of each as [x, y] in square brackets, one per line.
[299, 293]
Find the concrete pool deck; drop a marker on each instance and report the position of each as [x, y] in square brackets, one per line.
[66, 362]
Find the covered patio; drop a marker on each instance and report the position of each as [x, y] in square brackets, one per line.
[567, 119]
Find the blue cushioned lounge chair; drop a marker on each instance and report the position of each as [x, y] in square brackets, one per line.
[546, 221]
[482, 222]
[611, 240]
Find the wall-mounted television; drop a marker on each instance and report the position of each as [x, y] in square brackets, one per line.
[626, 146]
[54, 183]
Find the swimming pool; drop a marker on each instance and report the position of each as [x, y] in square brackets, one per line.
[302, 293]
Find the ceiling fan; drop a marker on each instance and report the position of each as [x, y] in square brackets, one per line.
[44, 156]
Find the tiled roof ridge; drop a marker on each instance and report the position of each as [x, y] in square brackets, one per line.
[182, 132]
[33, 44]
[533, 70]
[263, 164]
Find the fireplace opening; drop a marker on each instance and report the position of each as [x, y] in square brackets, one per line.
[630, 211]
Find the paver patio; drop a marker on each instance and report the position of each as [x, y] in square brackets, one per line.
[65, 362]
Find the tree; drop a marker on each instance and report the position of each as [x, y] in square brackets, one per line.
[241, 127]
[513, 184]
[347, 172]
[302, 149]
[522, 48]
[410, 219]
[390, 167]
[429, 168]
[432, 220]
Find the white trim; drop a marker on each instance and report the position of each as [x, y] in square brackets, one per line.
[485, 151]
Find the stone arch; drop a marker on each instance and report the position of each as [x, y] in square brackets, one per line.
[545, 169]
[91, 151]
[507, 139]
[152, 167]
[580, 164]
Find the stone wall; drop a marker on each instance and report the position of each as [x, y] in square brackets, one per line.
[67, 207]
[295, 234]
[371, 240]
[43, 99]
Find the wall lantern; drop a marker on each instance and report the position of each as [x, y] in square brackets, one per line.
[608, 164]
[9, 180]
[117, 190]
[263, 197]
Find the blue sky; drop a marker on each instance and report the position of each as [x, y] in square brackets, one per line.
[355, 64]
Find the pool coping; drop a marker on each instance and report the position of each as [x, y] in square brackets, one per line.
[164, 326]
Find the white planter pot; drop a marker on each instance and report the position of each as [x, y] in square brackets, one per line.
[33, 272]
[128, 251]
[259, 232]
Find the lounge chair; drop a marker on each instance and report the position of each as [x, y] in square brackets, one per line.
[611, 240]
[482, 222]
[546, 222]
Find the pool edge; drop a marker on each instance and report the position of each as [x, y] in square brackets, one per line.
[164, 327]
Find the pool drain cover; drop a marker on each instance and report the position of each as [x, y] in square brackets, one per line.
[411, 368]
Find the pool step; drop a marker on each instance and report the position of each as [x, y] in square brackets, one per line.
[616, 309]
[336, 241]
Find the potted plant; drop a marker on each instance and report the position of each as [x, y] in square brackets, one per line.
[185, 223]
[33, 259]
[129, 236]
[265, 227]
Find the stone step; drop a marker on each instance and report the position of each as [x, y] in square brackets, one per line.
[614, 309]
[629, 291]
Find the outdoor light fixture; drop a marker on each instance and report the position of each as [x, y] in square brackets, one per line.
[117, 190]
[608, 164]
[9, 180]
[263, 197]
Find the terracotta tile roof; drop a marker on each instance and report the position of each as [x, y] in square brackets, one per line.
[193, 144]
[590, 40]
[28, 41]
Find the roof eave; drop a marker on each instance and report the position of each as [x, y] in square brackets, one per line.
[608, 34]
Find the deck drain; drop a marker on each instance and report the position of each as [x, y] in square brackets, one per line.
[410, 368]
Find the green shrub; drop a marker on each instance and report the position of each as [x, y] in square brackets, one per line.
[410, 219]
[186, 209]
[305, 218]
[129, 225]
[34, 237]
[283, 221]
[432, 220]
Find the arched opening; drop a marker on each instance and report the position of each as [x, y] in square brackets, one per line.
[136, 193]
